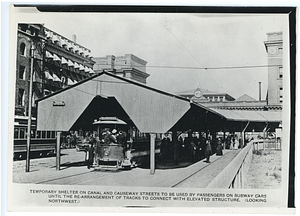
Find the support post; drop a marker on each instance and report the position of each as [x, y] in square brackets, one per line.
[152, 153]
[58, 150]
[224, 139]
[243, 134]
[175, 144]
[29, 110]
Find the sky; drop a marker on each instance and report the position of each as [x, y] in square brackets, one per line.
[177, 47]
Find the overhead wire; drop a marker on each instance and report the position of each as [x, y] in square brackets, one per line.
[191, 55]
[207, 68]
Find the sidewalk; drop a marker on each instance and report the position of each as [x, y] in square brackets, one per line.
[198, 174]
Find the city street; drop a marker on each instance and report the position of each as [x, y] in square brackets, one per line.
[74, 172]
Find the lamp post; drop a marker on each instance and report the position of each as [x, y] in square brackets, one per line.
[29, 109]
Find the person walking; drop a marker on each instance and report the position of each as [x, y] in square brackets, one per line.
[219, 148]
[90, 152]
[208, 151]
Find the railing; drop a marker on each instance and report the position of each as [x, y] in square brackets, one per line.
[234, 174]
[267, 144]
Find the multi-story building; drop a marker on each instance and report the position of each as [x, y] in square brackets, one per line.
[223, 100]
[274, 97]
[57, 62]
[274, 48]
[129, 66]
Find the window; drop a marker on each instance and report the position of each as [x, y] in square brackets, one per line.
[38, 134]
[280, 95]
[22, 133]
[16, 133]
[280, 50]
[23, 49]
[22, 72]
[43, 134]
[280, 72]
[21, 97]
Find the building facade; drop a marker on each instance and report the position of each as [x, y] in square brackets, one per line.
[129, 66]
[223, 100]
[274, 48]
[57, 62]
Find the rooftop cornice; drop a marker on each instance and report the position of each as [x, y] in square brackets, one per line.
[70, 53]
[63, 37]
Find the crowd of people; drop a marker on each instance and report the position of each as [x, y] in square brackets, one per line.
[107, 136]
[195, 147]
[192, 147]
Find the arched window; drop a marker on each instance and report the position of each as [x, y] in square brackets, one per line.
[23, 49]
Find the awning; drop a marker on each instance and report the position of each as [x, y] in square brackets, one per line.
[76, 48]
[70, 63]
[76, 65]
[63, 42]
[86, 69]
[91, 71]
[48, 76]
[49, 55]
[64, 61]
[252, 116]
[81, 67]
[56, 58]
[70, 82]
[69, 45]
[56, 78]
[55, 38]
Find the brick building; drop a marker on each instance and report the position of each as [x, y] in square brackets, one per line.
[58, 62]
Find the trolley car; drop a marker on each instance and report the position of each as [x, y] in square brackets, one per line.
[112, 149]
[43, 143]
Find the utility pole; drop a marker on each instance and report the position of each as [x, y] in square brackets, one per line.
[29, 109]
[259, 91]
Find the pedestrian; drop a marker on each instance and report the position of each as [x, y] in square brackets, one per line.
[236, 144]
[219, 148]
[164, 146]
[90, 151]
[208, 151]
[109, 138]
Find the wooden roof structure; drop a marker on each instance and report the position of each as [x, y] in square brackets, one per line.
[149, 109]
[105, 94]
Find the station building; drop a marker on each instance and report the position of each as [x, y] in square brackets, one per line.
[274, 96]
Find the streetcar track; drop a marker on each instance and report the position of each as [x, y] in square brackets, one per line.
[78, 174]
[189, 176]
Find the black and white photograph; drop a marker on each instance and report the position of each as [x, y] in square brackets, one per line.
[158, 108]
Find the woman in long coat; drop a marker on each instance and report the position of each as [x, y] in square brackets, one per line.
[219, 151]
[208, 150]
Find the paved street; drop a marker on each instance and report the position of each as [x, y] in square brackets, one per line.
[74, 172]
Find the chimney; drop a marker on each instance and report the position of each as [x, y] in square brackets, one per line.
[259, 91]
[74, 38]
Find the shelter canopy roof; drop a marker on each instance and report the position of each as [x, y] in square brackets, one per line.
[250, 115]
[105, 94]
